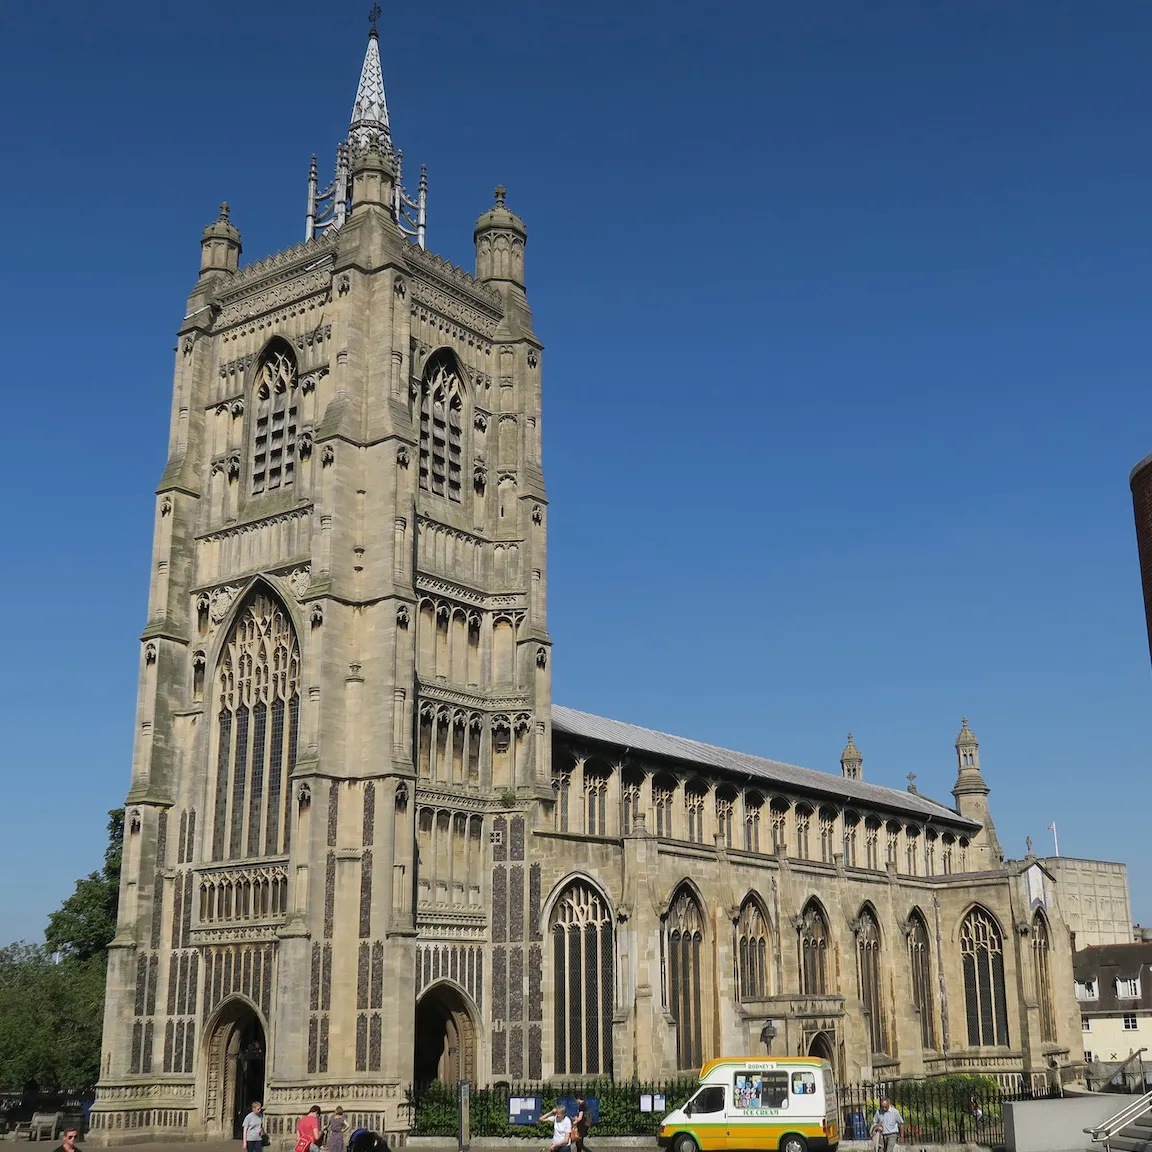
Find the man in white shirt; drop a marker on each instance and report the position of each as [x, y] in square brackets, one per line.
[888, 1125]
[561, 1127]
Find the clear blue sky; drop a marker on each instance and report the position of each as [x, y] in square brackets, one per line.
[846, 314]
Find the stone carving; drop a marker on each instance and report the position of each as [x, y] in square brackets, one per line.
[150, 652]
[134, 821]
[236, 408]
[282, 261]
[317, 336]
[199, 660]
[308, 383]
[541, 657]
[533, 359]
[344, 284]
[451, 276]
[403, 616]
[240, 364]
[537, 515]
[304, 795]
[479, 476]
[328, 456]
[481, 421]
[220, 600]
[314, 283]
[166, 506]
[233, 464]
[399, 286]
[189, 343]
[316, 615]
[304, 443]
[299, 580]
[402, 456]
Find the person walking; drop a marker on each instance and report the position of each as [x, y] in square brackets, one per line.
[888, 1125]
[308, 1131]
[252, 1129]
[581, 1123]
[68, 1140]
[336, 1130]
[561, 1127]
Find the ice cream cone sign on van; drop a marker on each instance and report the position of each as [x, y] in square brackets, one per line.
[757, 1105]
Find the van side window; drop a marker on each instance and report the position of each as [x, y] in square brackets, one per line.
[710, 1099]
[803, 1083]
[829, 1085]
[760, 1090]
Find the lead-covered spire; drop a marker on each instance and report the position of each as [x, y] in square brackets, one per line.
[370, 112]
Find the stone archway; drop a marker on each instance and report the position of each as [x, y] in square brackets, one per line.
[446, 1036]
[821, 1048]
[234, 1069]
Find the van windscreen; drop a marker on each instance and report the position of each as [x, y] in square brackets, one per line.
[755, 1090]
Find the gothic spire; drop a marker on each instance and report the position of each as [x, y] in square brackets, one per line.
[370, 112]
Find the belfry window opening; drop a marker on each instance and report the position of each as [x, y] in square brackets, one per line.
[274, 429]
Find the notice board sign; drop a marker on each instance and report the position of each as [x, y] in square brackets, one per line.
[525, 1109]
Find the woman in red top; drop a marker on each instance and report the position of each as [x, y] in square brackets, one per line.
[308, 1131]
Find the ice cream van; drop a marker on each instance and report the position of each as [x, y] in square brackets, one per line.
[755, 1105]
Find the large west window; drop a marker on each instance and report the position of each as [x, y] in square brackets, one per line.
[257, 725]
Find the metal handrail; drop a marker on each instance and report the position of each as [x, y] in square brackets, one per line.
[1123, 1117]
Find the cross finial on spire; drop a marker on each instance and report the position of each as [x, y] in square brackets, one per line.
[500, 193]
[912, 782]
[224, 210]
[373, 16]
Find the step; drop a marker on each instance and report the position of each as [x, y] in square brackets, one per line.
[1129, 1144]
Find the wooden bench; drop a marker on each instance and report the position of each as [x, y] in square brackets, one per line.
[45, 1125]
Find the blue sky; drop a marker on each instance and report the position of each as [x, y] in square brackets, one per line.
[845, 310]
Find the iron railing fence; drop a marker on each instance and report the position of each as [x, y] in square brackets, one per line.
[953, 1109]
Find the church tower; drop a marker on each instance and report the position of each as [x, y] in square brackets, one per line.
[344, 691]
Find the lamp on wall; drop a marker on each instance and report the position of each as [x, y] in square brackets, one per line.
[767, 1035]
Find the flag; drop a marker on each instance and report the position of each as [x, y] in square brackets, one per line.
[1051, 827]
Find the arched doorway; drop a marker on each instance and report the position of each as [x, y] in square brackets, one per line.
[821, 1048]
[235, 1067]
[445, 1036]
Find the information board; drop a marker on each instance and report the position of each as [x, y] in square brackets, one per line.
[592, 1103]
[525, 1109]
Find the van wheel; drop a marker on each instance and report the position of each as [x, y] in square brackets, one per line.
[684, 1143]
[793, 1143]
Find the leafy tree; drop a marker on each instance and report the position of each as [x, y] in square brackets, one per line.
[85, 923]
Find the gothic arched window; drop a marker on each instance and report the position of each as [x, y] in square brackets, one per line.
[1042, 958]
[583, 951]
[274, 426]
[752, 951]
[441, 426]
[985, 997]
[257, 726]
[920, 960]
[871, 980]
[813, 943]
[684, 937]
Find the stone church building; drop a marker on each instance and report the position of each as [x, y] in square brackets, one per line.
[365, 850]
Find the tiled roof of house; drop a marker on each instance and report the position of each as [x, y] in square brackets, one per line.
[583, 725]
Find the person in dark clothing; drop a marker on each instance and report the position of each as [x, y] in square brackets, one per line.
[581, 1122]
[68, 1140]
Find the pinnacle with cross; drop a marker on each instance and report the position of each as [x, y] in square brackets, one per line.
[374, 15]
[911, 781]
[224, 210]
[500, 193]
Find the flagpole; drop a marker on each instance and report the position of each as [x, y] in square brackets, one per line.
[1055, 839]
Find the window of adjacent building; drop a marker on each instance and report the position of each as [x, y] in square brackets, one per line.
[1042, 965]
[1085, 1024]
[256, 731]
[684, 940]
[1088, 1057]
[1128, 989]
[1088, 989]
[871, 979]
[1130, 1022]
[274, 426]
[985, 996]
[583, 953]
[919, 955]
[441, 426]
[752, 952]
[813, 944]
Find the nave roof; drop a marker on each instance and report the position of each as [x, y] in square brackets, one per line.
[585, 726]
